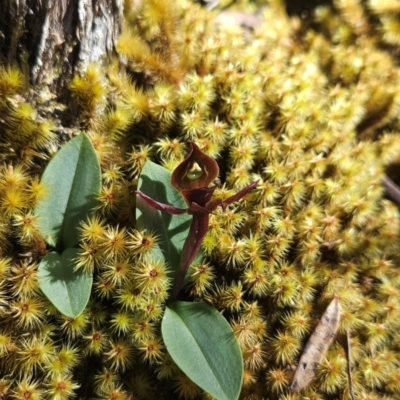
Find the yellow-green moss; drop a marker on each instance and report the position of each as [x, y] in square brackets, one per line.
[312, 111]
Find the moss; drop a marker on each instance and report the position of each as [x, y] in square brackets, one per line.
[308, 107]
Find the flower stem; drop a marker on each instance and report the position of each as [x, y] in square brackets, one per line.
[198, 230]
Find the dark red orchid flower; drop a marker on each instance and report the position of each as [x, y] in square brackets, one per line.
[192, 178]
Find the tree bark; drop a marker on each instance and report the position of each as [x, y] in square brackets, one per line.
[52, 39]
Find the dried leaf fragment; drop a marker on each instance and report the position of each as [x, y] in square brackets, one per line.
[317, 346]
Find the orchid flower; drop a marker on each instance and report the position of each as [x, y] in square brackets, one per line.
[192, 178]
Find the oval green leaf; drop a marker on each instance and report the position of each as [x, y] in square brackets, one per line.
[73, 181]
[172, 230]
[203, 345]
[67, 289]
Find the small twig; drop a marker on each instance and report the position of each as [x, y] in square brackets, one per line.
[349, 363]
[392, 189]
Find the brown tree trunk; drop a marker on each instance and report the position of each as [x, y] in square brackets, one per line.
[52, 39]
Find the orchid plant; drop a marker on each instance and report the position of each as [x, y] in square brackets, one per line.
[192, 178]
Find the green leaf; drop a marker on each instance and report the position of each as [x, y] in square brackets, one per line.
[73, 181]
[203, 345]
[67, 289]
[172, 230]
